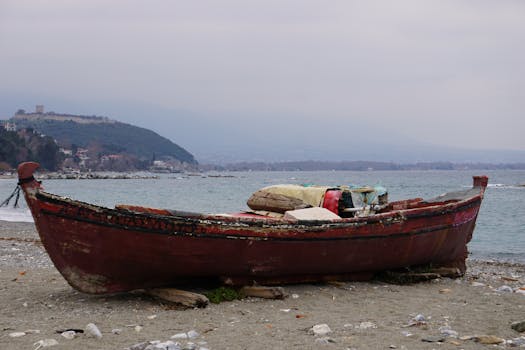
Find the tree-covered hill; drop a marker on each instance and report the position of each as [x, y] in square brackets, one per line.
[25, 145]
[110, 138]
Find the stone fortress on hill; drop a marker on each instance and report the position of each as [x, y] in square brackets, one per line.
[39, 114]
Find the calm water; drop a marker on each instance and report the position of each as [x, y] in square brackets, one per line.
[500, 231]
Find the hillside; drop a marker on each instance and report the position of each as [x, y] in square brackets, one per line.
[109, 137]
[25, 145]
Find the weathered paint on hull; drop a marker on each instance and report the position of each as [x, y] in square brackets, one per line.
[100, 250]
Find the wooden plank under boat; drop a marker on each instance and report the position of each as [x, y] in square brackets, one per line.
[102, 250]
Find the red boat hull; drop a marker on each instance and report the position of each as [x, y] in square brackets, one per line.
[101, 250]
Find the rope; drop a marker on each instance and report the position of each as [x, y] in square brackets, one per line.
[15, 192]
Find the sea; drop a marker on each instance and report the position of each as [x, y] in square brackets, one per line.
[499, 233]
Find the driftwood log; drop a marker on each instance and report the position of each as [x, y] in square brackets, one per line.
[181, 297]
[420, 276]
[263, 292]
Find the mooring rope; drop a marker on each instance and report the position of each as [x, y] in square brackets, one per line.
[15, 192]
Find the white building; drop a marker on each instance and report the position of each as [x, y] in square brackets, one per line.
[10, 126]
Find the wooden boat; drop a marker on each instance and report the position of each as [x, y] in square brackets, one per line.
[102, 250]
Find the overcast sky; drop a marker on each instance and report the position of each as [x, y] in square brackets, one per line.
[443, 72]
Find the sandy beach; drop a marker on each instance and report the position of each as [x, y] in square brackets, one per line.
[465, 313]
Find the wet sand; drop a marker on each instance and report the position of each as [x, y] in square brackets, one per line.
[360, 315]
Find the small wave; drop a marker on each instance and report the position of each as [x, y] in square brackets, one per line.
[505, 186]
[15, 214]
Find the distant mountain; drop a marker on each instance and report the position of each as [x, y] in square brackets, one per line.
[357, 166]
[106, 136]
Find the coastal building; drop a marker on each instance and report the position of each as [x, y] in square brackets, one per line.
[111, 157]
[9, 126]
[67, 152]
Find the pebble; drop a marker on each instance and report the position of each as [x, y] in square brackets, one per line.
[366, 325]
[69, 334]
[295, 296]
[516, 342]
[518, 326]
[446, 331]
[17, 334]
[504, 289]
[167, 345]
[139, 346]
[193, 334]
[321, 329]
[324, 340]
[92, 331]
[179, 336]
[44, 343]
[477, 284]
[116, 331]
[434, 339]
[467, 337]
[189, 346]
[420, 318]
[488, 339]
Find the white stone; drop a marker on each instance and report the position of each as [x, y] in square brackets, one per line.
[193, 334]
[69, 334]
[44, 343]
[179, 336]
[17, 334]
[139, 346]
[167, 345]
[190, 346]
[504, 289]
[420, 318]
[367, 325]
[321, 329]
[324, 340]
[448, 332]
[93, 331]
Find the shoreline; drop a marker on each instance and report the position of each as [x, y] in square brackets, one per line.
[444, 313]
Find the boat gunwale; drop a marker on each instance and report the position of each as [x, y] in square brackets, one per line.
[236, 221]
